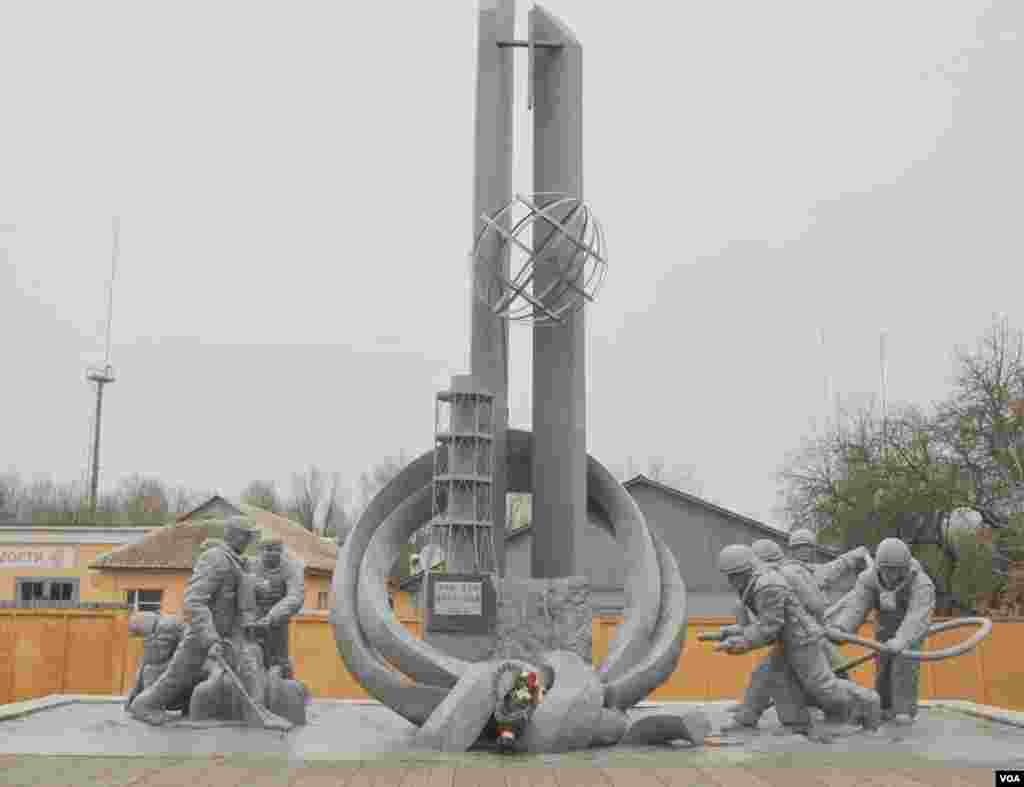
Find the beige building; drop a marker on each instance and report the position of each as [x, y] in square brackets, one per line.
[152, 572]
[48, 565]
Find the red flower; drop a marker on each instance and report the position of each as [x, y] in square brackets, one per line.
[531, 681]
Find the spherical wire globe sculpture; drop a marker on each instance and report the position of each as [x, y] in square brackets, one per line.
[556, 258]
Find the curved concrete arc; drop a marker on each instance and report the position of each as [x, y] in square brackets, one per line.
[377, 649]
[409, 699]
[394, 641]
[666, 645]
[642, 585]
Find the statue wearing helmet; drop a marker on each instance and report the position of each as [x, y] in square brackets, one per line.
[761, 689]
[783, 622]
[904, 596]
[835, 577]
[210, 616]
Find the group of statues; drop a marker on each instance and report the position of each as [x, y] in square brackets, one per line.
[784, 603]
[227, 658]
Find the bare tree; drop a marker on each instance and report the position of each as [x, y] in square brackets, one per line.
[135, 499]
[982, 431]
[44, 501]
[10, 492]
[143, 499]
[680, 476]
[181, 499]
[372, 481]
[316, 500]
[262, 494]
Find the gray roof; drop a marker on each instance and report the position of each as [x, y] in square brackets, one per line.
[767, 530]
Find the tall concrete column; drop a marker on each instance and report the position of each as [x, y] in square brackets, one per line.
[559, 505]
[492, 190]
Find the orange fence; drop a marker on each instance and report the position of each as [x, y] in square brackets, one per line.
[71, 651]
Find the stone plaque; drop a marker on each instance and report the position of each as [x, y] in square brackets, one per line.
[458, 598]
[460, 603]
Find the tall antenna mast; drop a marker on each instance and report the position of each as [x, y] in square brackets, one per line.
[884, 371]
[825, 368]
[103, 375]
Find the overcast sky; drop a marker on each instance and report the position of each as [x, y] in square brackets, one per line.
[294, 187]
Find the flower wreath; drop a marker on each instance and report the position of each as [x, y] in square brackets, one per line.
[515, 705]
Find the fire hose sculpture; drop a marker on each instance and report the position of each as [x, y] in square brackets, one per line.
[839, 637]
[893, 583]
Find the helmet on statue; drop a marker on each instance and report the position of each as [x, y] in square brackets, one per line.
[893, 560]
[736, 559]
[802, 538]
[767, 551]
[892, 553]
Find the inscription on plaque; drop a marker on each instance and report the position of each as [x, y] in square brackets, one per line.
[458, 598]
[460, 603]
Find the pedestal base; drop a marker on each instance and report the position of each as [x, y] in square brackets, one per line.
[536, 616]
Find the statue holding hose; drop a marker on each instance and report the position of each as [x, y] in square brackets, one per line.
[835, 577]
[797, 655]
[767, 686]
[898, 588]
[904, 597]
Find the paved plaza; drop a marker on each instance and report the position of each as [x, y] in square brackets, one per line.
[347, 743]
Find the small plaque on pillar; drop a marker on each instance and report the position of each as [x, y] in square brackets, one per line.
[461, 603]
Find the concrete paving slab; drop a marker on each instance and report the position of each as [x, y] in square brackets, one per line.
[23, 771]
[355, 735]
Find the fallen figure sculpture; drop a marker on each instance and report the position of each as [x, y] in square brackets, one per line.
[568, 713]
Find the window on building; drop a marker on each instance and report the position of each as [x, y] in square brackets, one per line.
[145, 600]
[34, 590]
[321, 600]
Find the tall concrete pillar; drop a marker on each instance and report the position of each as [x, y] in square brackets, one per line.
[492, 191]
[559, 385]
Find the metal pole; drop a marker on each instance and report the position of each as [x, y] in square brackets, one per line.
[94, 482]
[884, 392]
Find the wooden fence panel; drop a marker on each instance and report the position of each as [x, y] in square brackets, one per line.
[1002, 666]
[317, 663]
[39, 655]
[131, 658]
[7, 638]
[89, 652]
[95, 654]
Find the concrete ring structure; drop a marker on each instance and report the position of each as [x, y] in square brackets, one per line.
[413, 678]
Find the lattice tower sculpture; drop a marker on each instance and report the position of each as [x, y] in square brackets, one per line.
[462, 523]
[556, 231]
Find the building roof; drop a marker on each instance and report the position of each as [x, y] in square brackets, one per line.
[413, 580]
[176, 545]
[767, 530]
[17, 533]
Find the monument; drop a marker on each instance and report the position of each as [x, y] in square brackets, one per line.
[227, 661]
[537, 634]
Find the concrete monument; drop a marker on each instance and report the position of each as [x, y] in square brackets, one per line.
[449, 686]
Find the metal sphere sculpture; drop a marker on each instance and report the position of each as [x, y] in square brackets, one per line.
[555, 247]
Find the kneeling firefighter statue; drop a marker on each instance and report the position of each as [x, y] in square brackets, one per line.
[797, 658]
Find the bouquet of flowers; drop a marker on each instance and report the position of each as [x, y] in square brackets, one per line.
[515, 703]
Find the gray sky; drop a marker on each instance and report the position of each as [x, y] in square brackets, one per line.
[294, 186]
